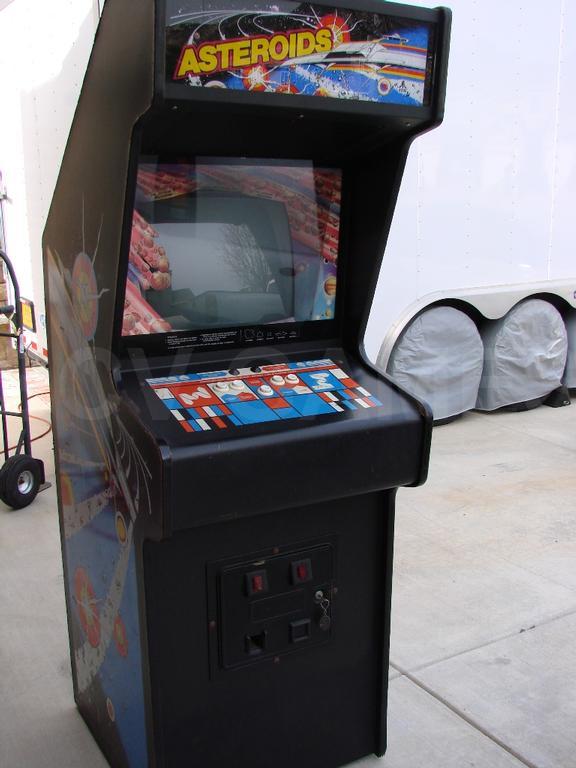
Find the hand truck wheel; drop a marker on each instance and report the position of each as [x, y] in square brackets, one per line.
[20, 480]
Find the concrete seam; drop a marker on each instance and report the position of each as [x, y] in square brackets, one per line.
[536, 437]
[488, 643]
[546, 578]
[466, 718]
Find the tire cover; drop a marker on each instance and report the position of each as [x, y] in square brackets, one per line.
[570, 376]
[524, 355]
[438, 358]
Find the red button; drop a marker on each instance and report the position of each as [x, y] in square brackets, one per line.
[301, 571]
[256, 582]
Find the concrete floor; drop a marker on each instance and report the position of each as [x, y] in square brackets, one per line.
[483, 668]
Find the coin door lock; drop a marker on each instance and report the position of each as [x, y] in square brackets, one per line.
[325, 621]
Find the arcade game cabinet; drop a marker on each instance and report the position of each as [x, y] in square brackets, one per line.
[227, 457]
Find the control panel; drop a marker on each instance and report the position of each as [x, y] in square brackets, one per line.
[272, 606]
[234, 398]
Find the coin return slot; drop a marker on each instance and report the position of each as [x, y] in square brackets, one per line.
[255, 644]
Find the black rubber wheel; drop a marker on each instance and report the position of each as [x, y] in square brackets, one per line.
[19, 481]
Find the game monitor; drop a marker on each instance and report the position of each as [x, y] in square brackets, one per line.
[221, 246]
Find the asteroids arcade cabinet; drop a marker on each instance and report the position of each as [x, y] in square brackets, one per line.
[227, 457]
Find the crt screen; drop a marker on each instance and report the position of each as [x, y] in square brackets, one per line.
[222, 243]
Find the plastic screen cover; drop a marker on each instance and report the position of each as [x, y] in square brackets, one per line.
[219, 243]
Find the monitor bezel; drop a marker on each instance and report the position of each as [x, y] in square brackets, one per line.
[235, 337]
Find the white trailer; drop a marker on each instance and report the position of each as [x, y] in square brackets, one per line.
[486, 212]
[44, 51]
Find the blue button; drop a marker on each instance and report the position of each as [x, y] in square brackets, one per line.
[350, 405]
[254, 412]
[287, 413]
[196, 427]
[172, 403]
[310, 405]
[288, 391]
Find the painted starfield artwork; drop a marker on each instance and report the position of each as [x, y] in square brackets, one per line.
[301, 49]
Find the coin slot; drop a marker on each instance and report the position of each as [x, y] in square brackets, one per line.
[255, 644]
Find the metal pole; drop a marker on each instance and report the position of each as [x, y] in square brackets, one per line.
[17, 320]
[4, 424]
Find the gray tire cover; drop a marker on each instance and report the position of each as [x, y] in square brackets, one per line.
[524, 355]
[438, 358]
[570, 377]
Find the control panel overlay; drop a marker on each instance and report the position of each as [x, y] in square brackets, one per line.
[201, 402]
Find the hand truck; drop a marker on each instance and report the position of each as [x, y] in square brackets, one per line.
[21, 476]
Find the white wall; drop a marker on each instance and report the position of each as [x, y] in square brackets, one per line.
[488, 196]
[44, 51]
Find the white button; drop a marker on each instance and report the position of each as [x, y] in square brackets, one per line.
[278, 380]
[292, 378]
[221, 386]
[266, 391]
[237, 384]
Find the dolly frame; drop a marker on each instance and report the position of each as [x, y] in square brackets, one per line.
[33, 470]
